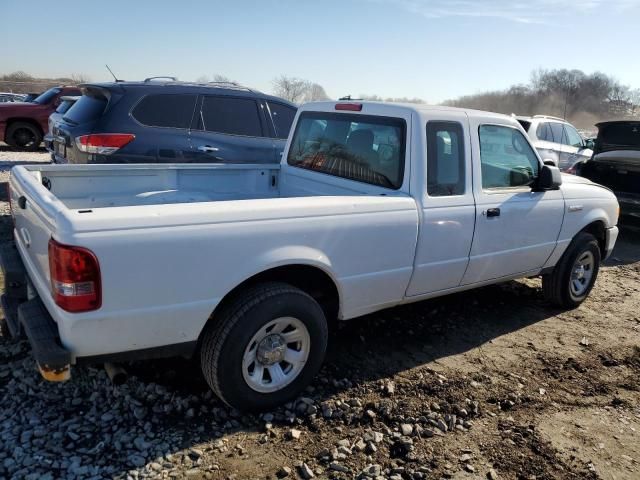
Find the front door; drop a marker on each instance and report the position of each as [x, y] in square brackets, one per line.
[516, 228]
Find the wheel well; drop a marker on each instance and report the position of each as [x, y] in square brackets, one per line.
[312, 280]
[30, 121]
[597, 229]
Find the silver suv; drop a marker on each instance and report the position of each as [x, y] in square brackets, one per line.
[557, 140]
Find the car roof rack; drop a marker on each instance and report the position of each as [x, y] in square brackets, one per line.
[233, 85]
[173, 79]
[550, 117]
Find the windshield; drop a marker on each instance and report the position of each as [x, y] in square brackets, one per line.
[47, 96]
[357, 147]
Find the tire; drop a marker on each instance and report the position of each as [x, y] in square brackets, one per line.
[559, 287]
[239, 351]
[24, 135]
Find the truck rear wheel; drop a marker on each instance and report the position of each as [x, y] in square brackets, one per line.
[265, 347]
[575, 274]
[24, 135]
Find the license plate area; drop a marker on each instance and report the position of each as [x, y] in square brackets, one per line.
[60, 148]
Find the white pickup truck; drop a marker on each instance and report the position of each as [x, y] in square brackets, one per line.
[373, 205]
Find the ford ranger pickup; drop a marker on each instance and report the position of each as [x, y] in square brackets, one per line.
[373, 205]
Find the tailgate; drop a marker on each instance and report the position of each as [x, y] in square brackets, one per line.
[34, 210]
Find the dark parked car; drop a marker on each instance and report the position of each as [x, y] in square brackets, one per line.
[66, 103]
[616, 164]
[170, 121]
[23, 124]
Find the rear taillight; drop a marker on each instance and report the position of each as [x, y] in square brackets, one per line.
[103, 143]
[75, 278]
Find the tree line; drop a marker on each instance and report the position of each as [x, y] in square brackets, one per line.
[22, 82]
[583, 99]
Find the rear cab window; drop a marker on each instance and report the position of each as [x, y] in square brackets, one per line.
[363, 148]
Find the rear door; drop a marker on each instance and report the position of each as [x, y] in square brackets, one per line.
[162, 130]
[229, 129]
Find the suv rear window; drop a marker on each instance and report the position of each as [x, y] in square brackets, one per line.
[86, 109]
[165, 110]
[363, 148]
[47, 96]
[282, 118]
[230, 115]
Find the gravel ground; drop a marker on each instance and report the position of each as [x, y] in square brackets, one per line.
[490, 383]
[10, 155]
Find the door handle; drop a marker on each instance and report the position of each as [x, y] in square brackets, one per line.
[492, 212]
[207, 148]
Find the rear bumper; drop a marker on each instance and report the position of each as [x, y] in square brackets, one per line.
[48, 142]
[29, 316]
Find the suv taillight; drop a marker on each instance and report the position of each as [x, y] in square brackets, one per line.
[75, 278]
[103, 143]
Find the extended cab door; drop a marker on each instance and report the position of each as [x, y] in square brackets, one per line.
[516, 228]
[446, 206]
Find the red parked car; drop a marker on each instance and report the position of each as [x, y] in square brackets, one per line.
[23, 124]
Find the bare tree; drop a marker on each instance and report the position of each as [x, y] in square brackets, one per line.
[222, 78]
[291, 88]
[315, 93]
[78, 78]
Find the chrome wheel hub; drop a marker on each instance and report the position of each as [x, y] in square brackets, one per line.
[276, 354]
[582, 273]
[271, 349]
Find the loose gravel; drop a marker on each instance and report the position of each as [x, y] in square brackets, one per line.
[476, 385]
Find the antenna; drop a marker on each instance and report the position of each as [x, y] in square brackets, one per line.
[112, 74]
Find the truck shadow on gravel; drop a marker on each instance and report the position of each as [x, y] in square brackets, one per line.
[383, 344]
[391, 341]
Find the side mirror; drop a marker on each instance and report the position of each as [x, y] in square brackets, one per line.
[548, 179]
[548, 161]
[589, 143]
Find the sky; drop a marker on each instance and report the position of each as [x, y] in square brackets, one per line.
[430, 49]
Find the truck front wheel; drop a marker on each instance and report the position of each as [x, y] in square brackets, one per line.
[264, 347]
[575, 274]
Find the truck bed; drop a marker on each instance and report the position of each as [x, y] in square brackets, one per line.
[100, 186]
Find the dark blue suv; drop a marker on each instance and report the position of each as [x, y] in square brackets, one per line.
[172, 122]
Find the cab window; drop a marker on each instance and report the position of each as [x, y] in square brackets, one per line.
[367, 149]
[507, 160]
[445, 159]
